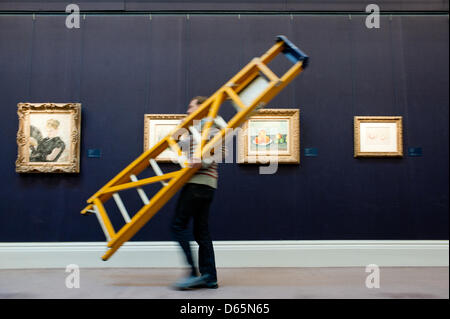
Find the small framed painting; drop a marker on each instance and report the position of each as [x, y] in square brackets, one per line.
[156, 127]
[48, 138]
[270, 135]
[378, 136]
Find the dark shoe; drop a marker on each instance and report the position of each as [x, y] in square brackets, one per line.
[204, 281]
[184, 283]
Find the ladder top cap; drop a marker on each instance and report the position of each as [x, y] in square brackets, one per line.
[292, 52]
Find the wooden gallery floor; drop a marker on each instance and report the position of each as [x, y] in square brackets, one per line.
[235, 283]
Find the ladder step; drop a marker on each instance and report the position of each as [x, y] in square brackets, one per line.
[140, 190]
[220, 122]
[157, 170]
[253, 90]
[121, 207]
[102, 224]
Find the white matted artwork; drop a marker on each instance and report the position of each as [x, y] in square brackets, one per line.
[378, 136]
[156, 127]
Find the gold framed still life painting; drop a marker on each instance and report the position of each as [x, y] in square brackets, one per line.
[270, 135]
[48, 138]
[156, 127]
[378, 136]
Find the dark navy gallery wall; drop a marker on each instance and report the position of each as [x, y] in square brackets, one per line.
[121, 67]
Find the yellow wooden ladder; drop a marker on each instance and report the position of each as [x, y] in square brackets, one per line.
[250, 89]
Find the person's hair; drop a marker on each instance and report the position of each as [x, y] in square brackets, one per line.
[53, 123]
[200, 99]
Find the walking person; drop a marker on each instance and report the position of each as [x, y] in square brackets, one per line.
[194, 203]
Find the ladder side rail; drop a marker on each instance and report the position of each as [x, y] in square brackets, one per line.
[211, 115]
[272, 52]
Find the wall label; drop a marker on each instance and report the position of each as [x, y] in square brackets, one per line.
[414, 151]
[310, 151]
[94, 153]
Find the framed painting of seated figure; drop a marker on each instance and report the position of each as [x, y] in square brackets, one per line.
[48, 138]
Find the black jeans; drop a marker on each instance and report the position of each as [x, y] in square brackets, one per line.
[194, 202]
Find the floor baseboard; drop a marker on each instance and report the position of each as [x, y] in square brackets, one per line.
[301, 253]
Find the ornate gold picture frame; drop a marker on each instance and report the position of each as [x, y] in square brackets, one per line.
[270, 135]
[156, 127]
[48, 138]
[378, 136]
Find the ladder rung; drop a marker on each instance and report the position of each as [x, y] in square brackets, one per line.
[207, 119]
[220, 122]
[105, 221]
[157, 170]
[268, 72]
[195, 134]
[102, 224]
[235, 100]
[140, 190]
[121, 207]
[253, 90]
